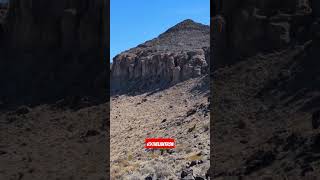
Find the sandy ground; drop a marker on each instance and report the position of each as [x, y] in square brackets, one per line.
[180, 112]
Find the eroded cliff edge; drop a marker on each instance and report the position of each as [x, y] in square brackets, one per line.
[244, 28]
[180, 53]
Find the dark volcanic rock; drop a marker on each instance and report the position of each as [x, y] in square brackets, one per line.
[187, 174]
[178, 54]
[52, 49]
[149, 177]
[243, 28]
[199, 178]
[266, 85]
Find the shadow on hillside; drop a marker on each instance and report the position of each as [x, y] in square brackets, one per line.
[202, 87]
[149, 88]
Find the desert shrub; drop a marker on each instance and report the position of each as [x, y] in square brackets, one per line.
[162, 170]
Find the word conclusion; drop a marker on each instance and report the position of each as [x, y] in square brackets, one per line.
[159, 143]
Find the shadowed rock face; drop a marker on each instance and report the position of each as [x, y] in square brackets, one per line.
[266, 89]
[182, 52]
[52, 49]
[54, 24]
[259, 26]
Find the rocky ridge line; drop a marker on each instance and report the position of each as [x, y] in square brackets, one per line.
[182, 52]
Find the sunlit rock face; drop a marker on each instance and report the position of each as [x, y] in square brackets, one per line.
[182, 52]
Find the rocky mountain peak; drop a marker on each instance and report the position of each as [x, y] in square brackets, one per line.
[186, 35]
[187, 25]
[180, 53]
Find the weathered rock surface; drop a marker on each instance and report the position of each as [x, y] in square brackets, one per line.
[51, 54]
[243, 28]
[182, 52]
[52, 49]
[265, 93]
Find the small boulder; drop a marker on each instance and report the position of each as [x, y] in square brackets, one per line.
[187, 174]
[22, 110]
[191, 112]
[149, 177]
[192, 163]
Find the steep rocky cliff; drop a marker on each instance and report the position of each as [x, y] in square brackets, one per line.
[243, 28]
[52, 49]
[180, 53]
[266, 89]
[51, 61]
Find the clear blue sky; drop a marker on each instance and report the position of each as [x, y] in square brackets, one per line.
[133, 22]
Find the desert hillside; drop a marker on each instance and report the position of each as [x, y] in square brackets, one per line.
[180, 112]
[161, 89]
[265, 90]
[54, 141]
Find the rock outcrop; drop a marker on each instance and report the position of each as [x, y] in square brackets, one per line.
[182, 52]
[243, 28]
[52, 49]
[265, 92]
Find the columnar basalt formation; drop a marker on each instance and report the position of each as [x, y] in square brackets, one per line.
[180, 53]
